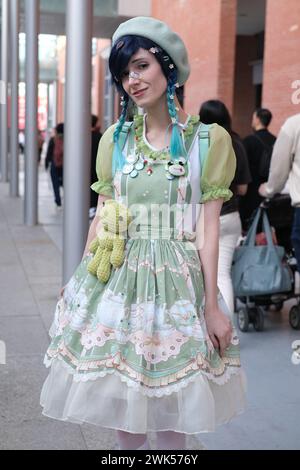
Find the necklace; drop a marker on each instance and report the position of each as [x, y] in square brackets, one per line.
[145, 156]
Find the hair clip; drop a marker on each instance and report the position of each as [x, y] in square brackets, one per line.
[153, 50]
[119, 45]
[166, 57]
[116, 79]
[177, 85]
[171, 66]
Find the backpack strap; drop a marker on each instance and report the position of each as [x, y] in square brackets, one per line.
[204, 143]
[126, 128]
[264, 144]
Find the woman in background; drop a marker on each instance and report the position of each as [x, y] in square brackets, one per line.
[215, 111]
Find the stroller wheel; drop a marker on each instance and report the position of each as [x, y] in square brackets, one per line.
[243, 319]
[294, 317]
[259, 319]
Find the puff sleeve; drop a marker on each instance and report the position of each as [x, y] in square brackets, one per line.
[103, 164]
[219, 167]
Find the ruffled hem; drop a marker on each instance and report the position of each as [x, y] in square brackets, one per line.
[216, 193]
[141, 388]
[101, 187]
[109, 402]
[154, 359]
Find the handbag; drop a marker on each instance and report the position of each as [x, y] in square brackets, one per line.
[259, 270]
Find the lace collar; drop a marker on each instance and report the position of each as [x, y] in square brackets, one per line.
[143, 147]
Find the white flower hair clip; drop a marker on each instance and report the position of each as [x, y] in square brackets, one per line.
[154, 50]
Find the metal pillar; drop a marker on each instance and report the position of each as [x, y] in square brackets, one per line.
[77, 133]
[4, 90]
[31, 134]
[14, 134]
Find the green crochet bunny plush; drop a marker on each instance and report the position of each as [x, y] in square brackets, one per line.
[108, 246]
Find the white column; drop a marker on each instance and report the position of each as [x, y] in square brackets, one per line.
[77, 133]
[4, 90]
[14, 134]
[31, 134]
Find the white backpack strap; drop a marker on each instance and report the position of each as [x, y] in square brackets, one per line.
[204, 143]
[124, 133]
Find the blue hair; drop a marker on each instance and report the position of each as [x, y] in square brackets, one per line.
[118, 159]
[176, 146]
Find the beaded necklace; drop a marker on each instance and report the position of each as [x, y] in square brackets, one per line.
[145, 156]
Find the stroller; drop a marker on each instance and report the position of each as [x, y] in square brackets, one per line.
[251, 309]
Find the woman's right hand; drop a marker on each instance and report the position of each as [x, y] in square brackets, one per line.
[219, 329]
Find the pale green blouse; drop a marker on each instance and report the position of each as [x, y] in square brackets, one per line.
[104, 164]
[216, 176]
[220, 165]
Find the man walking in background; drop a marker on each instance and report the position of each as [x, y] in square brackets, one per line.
[258, 146]
[54, 157]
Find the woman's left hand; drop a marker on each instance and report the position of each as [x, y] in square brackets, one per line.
[219, 328]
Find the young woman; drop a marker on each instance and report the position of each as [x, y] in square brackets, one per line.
[144, 351]
[214, 111]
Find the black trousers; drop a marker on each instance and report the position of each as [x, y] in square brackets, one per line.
[296, 235]
[57, 181]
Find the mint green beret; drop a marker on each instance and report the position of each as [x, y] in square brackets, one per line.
[163, 36]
